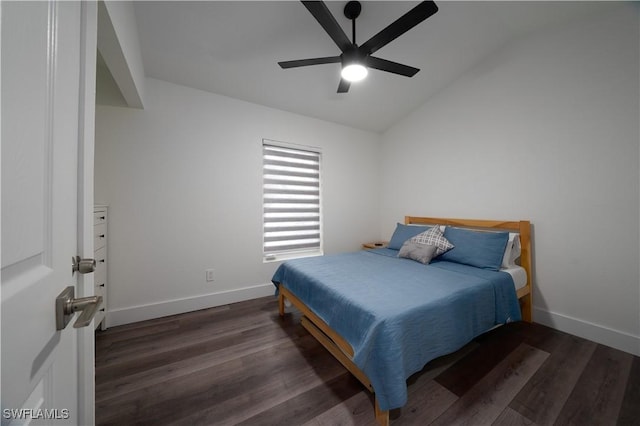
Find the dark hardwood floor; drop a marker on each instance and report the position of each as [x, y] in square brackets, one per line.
[243, 364]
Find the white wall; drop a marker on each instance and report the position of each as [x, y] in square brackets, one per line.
[546, 129]
[183, 182]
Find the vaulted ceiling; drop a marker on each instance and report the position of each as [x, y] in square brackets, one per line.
[232, 48]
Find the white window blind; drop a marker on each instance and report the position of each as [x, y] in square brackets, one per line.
[291, 201]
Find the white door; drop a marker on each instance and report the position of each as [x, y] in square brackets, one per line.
[43, 73]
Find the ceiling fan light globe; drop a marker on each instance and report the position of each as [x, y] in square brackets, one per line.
[354, 72]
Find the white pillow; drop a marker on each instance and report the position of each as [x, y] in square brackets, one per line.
[512, 251]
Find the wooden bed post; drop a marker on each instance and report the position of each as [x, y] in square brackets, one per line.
[382, 417]
[525, 261]
[281, 303]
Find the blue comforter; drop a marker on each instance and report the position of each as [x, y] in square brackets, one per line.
[399, 314]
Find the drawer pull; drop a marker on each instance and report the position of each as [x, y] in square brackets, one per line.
[101, 260]
[101, 218]
[101, 285]
[101, 235]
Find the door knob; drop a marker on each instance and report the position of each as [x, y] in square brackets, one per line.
[82, 266]
[67, 305]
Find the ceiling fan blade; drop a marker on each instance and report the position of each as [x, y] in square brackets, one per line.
[390, 66]
[321, 12]
[307, 62]
[344, 85]
[399, 27]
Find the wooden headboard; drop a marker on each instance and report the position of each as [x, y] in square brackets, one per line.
[523, 227]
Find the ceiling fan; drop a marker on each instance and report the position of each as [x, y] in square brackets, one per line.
[355, 59]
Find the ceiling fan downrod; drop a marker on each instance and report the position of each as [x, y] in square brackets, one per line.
[352, 10]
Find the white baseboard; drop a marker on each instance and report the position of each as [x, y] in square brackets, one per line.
[597, 333]
[594, 332]
[178, 306]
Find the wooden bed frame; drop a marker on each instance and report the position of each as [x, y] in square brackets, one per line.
[343, 351]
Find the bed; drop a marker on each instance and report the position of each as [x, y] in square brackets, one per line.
[384, 316]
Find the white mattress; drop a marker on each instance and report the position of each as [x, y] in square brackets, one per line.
[518, 274]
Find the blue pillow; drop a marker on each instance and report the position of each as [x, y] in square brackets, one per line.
[404, 232]
[480, 249]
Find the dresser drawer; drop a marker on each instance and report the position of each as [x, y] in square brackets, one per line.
[99, 217]
[99, 236]
[100, 274]
[99, 316]
[101, 291]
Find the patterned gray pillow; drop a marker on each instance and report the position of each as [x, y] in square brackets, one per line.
[423, 253]
[433, 237]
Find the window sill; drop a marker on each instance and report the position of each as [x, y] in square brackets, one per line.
[288, 256]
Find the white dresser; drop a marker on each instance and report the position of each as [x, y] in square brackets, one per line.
[100, 255]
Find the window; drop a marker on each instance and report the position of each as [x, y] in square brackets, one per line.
[291, 201]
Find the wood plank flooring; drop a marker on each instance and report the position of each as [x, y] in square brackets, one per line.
[243, 364]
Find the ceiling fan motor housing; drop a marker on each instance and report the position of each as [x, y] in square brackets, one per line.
[352, 9]
[353, 56]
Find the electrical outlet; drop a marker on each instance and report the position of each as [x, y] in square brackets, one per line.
[209, 273]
